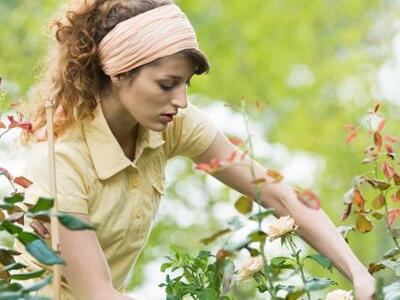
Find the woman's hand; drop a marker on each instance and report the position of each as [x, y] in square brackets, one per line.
[364, 286]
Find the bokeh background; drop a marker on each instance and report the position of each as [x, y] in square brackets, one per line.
[313, 66]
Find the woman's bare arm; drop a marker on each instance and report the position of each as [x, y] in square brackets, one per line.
[315, 227]
[86, 269]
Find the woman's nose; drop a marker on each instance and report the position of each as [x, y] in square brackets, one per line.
[180, 98]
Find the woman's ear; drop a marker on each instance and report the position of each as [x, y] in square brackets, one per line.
[116, 81]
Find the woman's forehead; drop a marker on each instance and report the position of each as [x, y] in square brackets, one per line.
[178, 65]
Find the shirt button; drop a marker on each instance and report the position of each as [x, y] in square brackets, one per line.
[138, 213]
[134, 182]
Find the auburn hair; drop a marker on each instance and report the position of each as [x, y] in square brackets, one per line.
[72, 77]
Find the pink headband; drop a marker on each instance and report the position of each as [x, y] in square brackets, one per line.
[144, 38]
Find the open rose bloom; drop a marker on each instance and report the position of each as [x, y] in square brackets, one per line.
[339, 295]
[282, 226]
[251, 266]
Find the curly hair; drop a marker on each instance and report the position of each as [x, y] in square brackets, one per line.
[72, 76]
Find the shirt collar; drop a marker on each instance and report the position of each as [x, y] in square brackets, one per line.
[107, 155]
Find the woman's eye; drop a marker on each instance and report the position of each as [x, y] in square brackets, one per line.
[166, 87]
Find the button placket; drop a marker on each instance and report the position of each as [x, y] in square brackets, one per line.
[133, 179]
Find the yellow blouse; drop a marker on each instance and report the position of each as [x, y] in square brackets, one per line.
[121, 196]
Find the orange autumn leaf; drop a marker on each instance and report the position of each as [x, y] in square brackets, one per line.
[363, 225]
[236, 140]
[352, 132]
[275, 174]
[22, 181]
[393, 215]
[2, 125]
[378, 202]
[308, 198]
[258, 181]
[358, 198]
[373, 267]
[387, 170]
[378, 140]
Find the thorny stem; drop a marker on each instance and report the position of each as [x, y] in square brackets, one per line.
[271, 290]
[296, 255]
[389, 228]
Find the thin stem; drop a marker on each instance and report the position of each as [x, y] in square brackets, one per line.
[271, 288]
[296, 255]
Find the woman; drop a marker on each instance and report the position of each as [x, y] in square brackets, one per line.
[119, 75]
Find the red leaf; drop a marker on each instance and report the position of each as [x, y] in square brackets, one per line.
[390, 151]
[346, 211]
[308, 198]
[378, 140]
[232, 157]
[25, 125]
[396, 196]
[391, 139]
[6, 173]
[22, 181]
[393, 215]
[211, 167]
[352, 132]
[381, 124]
[387, 170]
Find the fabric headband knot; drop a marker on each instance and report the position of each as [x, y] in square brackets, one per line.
[144, 38]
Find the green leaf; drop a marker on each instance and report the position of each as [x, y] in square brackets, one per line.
[322, 260]
[314, 284]
[28, 275]
[213, 237]
[262, 215]
[18, 197]
[72, 222]
[6, 205]
[14, 266]
[10, 227]
[42, 204]
[208, 294]
[38, 285]
[26, 237]
[244, 205]
[258, 236]
[41, 251]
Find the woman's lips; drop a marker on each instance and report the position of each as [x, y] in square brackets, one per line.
[167, 118]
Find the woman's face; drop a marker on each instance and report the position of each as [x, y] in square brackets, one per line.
[154, 95]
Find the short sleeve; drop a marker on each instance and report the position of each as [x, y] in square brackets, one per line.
[190, 134]
[72, 195]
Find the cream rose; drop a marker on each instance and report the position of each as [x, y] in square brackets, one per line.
[339, 295]
[251, 266]
[282, 226]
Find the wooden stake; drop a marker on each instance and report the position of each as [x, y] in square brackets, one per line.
[55, 237]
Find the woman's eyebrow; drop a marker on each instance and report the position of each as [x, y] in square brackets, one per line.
[175, 77]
